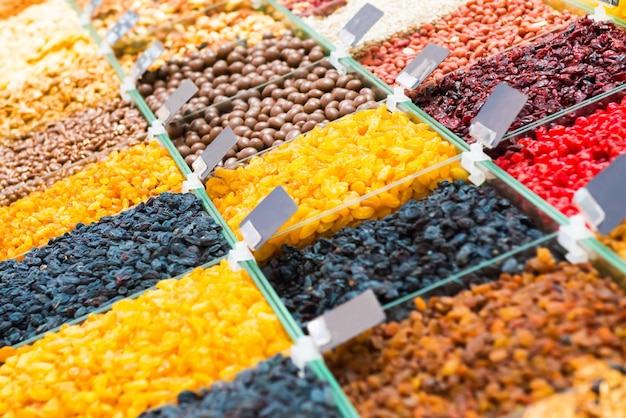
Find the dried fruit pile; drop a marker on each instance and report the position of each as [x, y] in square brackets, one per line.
[599, 391]
[104, 262]
[333, 165]
[123, 180]
[487, 351]
[184, 336]
[271, 389]
[473, 31]
[559, 161]
[33, 44]
[38, 159]
[67, 87]
[581, 62]
[426, 241]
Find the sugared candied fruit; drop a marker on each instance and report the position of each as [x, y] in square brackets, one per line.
[561, 160]
[184, 335]
[488, 351]
[336, 164]
[124, 179]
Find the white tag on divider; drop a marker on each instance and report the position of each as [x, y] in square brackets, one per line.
[126, 22]
[240, 253]
[497, 115]
[181, 95]
[398, 96]
[360, 24]
[422, 66]
[304, 352]
[214, 153]
[192, 183]
[346, 321]
[267, 218]
[603, 200]
[569, 237]
[145, 60]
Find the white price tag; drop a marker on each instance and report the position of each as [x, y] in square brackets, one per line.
[126, 22]
[267, 218]
[145, 60]
[497, 115]
[346, 321]
[360, 24]
[214, 153]
[422, 65]
[181, 95]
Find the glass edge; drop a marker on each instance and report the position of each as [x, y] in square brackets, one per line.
[532, 127]
[368, 195]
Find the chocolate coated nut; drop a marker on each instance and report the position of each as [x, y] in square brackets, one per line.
[246, 152]
[257, 144]
[331, 113]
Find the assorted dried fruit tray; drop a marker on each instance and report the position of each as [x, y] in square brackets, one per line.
[117, 298]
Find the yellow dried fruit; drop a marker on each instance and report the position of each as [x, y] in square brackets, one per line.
[183, 336]
[124, 179]
[340, 163]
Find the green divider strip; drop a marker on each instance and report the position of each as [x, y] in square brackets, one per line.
[343, 403]
[290, 325]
